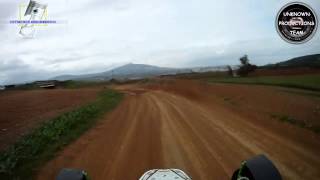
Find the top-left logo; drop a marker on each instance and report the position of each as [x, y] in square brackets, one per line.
[32, 15]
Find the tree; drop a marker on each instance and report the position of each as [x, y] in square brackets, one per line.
[230, 71]
[244, 60]
[245, 67]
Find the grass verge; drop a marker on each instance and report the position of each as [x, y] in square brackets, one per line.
[70, 84]
[315, 94]
[293, 121]
[308, 82]
[22, 159]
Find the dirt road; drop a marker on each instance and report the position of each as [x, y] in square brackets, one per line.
[159, 128]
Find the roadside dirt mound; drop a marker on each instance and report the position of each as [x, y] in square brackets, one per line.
[21, 111]
[185, 125]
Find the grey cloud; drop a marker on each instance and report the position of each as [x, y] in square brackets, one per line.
[11, 65]
[75, 57]
[26, 75]
[96, 4]
[16, 71]
[260, 52]
[8, 9]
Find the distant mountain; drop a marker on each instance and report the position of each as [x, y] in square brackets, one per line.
[128, 71]
[303, 61]
[140, 70]
[75, 77]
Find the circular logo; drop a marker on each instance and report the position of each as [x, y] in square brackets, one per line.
[296, 23]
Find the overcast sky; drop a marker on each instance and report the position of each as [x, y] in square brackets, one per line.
[101, 34]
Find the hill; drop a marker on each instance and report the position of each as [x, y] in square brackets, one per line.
[312, 61]
[128, 71]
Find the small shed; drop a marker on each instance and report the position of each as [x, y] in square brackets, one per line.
[46, 84]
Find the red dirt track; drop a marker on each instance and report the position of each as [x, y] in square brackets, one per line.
[187, 125]
[21, 111]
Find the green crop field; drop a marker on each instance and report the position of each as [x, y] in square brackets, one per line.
[309, 82]
[20, 161]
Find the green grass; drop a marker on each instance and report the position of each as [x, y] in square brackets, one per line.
[308, 82]
[71, 84]
[293, 121]
[22, 159]
[303, 93]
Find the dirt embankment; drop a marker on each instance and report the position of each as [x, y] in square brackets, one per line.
[190, 126]
[21, 111]
[253, 101]
[285, 71]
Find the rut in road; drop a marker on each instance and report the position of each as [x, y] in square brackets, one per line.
[157, 129]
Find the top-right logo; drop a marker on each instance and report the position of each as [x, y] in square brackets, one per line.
[296, 23]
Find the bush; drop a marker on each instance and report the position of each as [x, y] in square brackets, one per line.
[245, 67]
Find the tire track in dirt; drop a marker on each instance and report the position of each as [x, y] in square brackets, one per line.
[158, 129]
[291, 160]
